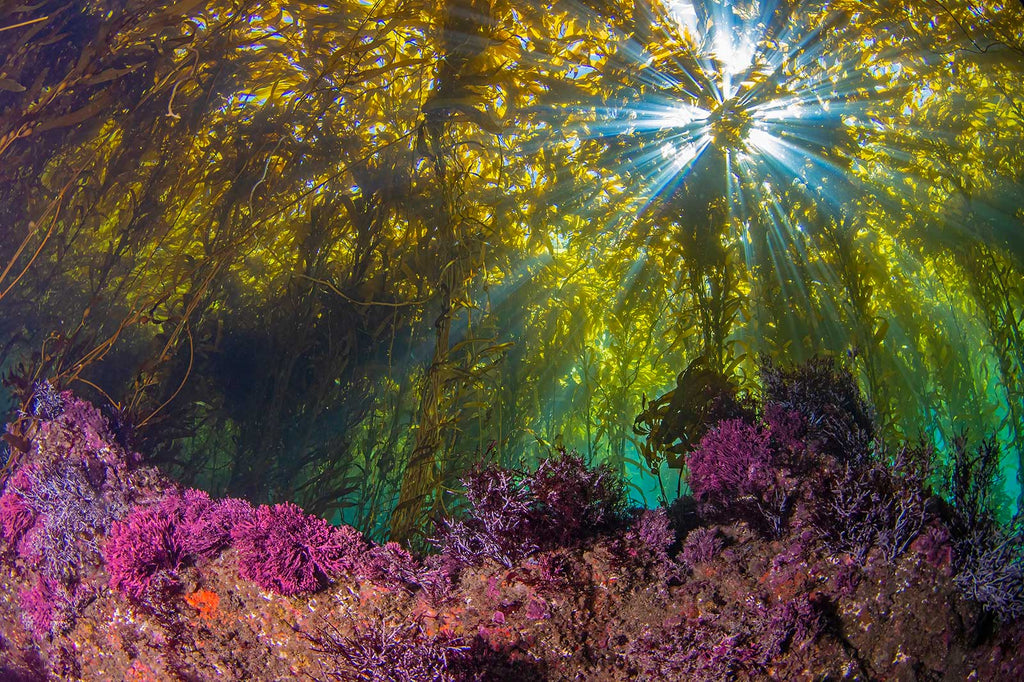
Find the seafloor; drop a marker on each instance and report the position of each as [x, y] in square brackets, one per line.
[109, 572]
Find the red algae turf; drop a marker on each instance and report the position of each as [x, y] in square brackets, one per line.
[607, 603]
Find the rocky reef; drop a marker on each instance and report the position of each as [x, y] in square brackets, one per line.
[801, 555]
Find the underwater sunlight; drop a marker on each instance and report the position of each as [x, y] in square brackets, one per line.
[540, 217]
[431, 293]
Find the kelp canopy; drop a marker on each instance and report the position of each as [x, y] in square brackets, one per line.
[336, 252]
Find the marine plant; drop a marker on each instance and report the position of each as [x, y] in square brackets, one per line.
[701, 546]
[147, 548]
[339, 233]
[283, 549]
[61, 498]
[990, 570]
[571, 500]
[988, 554]
[15, 518]
[861, 497]
[750, 609]
[709, 648]
[385, 652]
[838, 421]
[46, 402]
[71, 512]
[734, 466]
[650, 536]
[143, 552]
[389, 564]
[675, 422]
[511, 515]
[875, 501]
[39, 605]
[810, 450]
[498, 523]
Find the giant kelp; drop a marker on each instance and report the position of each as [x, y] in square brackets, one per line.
[327, 253]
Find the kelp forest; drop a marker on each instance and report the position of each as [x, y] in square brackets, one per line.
[336, 253]
[358, 255]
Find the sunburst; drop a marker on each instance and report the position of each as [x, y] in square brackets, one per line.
[755, 86]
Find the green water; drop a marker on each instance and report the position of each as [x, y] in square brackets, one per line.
[338, 253]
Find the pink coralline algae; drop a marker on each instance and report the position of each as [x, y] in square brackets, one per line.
[37, 606]
[499, 523]
[786, 427]
[652, 531]
[203, 527]
[153, 542]
[81, 431]
[389, 564]
[647, 541]
[935, 545]
[513, 515]
[143, 550]
[503, 598]
[733, 459]
[285, 550]
[701, 546]
[15, 518]
[47, 402]
[383, 652]
[573, 500]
